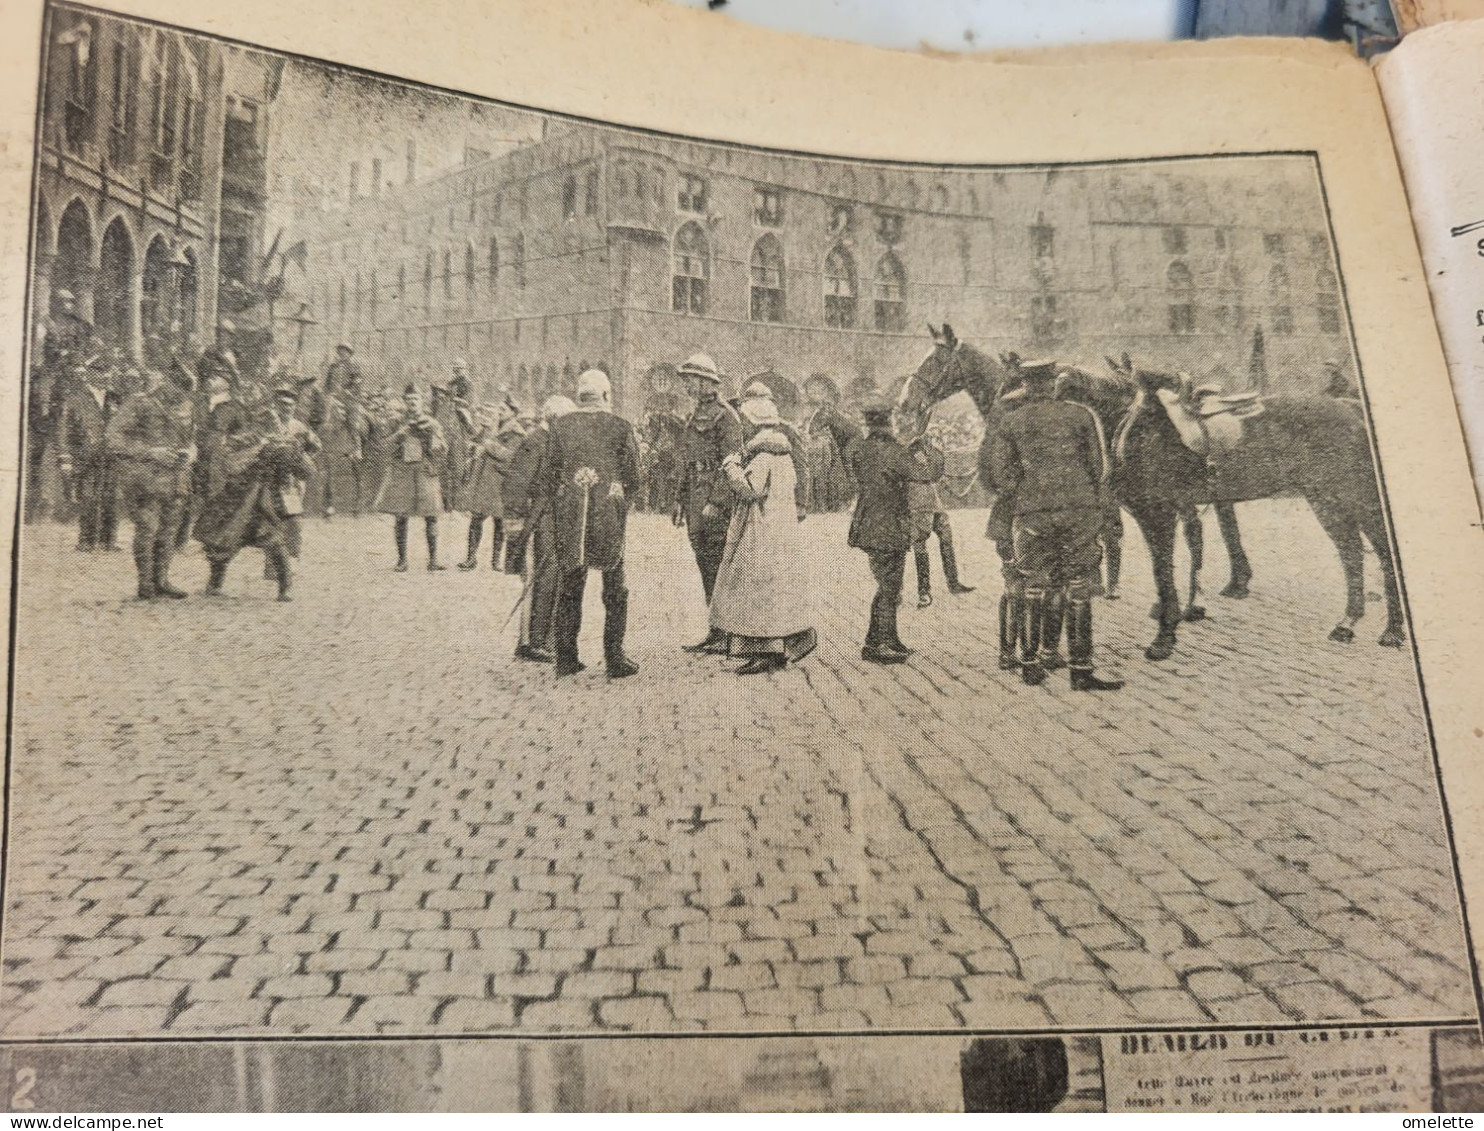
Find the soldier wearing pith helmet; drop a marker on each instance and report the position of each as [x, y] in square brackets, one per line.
[713, 432]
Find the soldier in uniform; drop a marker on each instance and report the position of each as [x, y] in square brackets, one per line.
[343, 375]
[882, 525]
[713, 432]
[218, 359]
[928, 518]
[1049, 456]
[84, 458]
[152, 437]
[830, 434]
[410, 489]
[590, 472]
[64, 348]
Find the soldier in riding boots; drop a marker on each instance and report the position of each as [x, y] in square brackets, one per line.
[1049, 456]
[84, 457]
[882, 524]
[929, 518]
[713, 432]
[493, 444]
[411, 487]
[590, 472]
[152, 437]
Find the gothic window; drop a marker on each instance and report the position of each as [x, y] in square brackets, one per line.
[842, 219]
[518, 259]
[590, 195]
[889, 226]
[1182, 308]
[891, 294]
[569, 198]
[767, 280]
[1043, 239]
[494, 264]
[839, 289]
[471, 281]
[690, 271]
[767, 206]
[940, 198]
[692, 194]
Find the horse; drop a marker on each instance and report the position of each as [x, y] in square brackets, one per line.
[955, 366]
[1315, 447]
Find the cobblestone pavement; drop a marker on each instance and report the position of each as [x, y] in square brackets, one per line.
[356, 814]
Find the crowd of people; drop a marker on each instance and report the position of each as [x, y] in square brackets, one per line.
[198, 451]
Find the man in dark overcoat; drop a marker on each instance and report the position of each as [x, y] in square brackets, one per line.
[881, 524]
[713, 432]
[532, 542]
[1050, 457]
[83, 457]
[152, 438]
[590, 473]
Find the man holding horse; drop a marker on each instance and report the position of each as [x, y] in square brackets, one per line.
[1049, 457]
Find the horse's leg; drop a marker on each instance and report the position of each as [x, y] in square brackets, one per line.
[1195, 544]
[1374, 527]
[1157, 521]
[1231, 534]
[1343, 530]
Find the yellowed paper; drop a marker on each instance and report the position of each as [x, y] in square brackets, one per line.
[360, 815]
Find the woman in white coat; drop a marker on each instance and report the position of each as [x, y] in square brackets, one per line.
[761, 600]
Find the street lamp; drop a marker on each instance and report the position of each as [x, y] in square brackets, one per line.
[303, 319]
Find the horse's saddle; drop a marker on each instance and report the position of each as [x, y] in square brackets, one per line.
[1210, 423]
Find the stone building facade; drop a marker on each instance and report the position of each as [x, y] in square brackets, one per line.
[597, 246]
[150, 172]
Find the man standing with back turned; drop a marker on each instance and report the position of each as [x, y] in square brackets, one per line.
[1049, 456]
[590, 473]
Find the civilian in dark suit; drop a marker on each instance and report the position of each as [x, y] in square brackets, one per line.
[84, 457]
[882, 523]
[590, 473]
[533, 530]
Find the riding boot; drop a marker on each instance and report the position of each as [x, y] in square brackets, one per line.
[1009, 627]
[564, 632]
[1113, 556]
[1079, 648]
[279, 559]
[615, 624]
[161, 566]
[476, 531]
[1032, 618]
[399, 531]
[217, 579]
[432, 533]
[497, 541]
[924, 577]
[1051, 628]
[950, 560]
[144, 563]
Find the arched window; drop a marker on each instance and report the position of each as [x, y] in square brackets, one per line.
[690, 270]
[767, 280]
[428, 282]
[1327, 288]
[569, 199]
[891, 294]
[590, 195]
[839, 289]
[518, 259]
[447, 274]
[940, 198]
[471, 281]
[1181, 309]
[1282, 311]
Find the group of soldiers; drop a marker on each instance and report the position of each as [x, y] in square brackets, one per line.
[200, 451]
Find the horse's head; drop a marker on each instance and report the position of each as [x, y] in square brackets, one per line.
[1145, 425]
[952, 367]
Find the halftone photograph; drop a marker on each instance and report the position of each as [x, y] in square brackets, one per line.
[484, 572]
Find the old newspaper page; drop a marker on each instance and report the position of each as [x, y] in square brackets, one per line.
[1433, 85]
[1033, 662]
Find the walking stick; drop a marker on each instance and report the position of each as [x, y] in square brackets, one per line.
[585, 478]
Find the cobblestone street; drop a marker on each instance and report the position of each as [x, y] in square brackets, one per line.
[356, 814]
